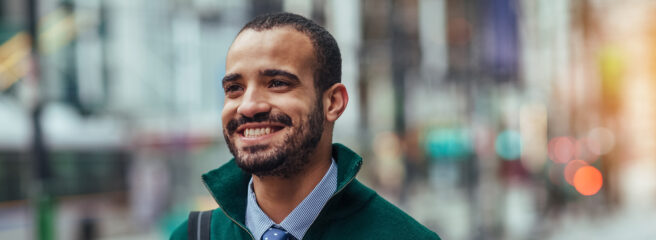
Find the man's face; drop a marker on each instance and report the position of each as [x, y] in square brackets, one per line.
[272, 117]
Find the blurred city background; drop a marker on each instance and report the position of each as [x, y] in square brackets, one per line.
[483, 119]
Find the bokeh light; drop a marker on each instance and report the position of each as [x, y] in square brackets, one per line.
[448, 143]
[588, 180]
[508, 145]
[602, 141]
[571, 168]
[561, 149]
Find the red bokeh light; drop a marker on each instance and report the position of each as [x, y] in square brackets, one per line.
[561, 149]
[571, 168]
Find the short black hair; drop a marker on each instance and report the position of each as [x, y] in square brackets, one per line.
[328, 69]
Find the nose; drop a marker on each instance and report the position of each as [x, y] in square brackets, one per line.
[253, 103]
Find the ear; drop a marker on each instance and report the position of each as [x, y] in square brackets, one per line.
[334, 101]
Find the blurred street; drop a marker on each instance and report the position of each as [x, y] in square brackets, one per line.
[483, 119]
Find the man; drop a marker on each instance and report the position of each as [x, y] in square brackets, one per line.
[287, 180]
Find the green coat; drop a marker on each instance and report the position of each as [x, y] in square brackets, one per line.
[353, 212]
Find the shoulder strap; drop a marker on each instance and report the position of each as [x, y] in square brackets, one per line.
[198, 225]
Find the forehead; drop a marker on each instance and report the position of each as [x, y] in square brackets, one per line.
[279, 46]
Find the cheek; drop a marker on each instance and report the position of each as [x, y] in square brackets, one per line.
[228, 112]
[298, 112]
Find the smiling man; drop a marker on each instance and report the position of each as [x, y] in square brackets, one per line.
[287, 179]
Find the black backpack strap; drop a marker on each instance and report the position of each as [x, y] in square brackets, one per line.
[198, 225]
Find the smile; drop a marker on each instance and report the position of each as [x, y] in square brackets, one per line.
[258, 130]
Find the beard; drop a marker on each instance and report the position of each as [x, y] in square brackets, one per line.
[282, 159]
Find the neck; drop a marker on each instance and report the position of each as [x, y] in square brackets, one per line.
[278, 196]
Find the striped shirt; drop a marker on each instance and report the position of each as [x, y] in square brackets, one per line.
[300, 219]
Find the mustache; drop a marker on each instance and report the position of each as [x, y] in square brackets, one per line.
[282, 118]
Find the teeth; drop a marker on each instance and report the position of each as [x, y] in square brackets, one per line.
[256, 132]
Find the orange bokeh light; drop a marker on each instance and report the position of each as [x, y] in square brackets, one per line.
[588, 180]
[571, 169]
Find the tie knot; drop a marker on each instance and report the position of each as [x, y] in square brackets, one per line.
[274, 233]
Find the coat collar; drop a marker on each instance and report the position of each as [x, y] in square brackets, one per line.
[228, 184]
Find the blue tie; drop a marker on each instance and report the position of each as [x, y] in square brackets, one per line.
[274, 233]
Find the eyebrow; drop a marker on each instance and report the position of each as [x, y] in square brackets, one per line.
[231, 77]
[278, 72]
[267, 72]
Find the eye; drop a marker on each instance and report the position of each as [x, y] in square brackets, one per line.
[277, 83]
[232, 89]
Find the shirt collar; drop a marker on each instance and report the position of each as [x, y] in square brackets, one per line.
[228, 184]
[299, 220]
